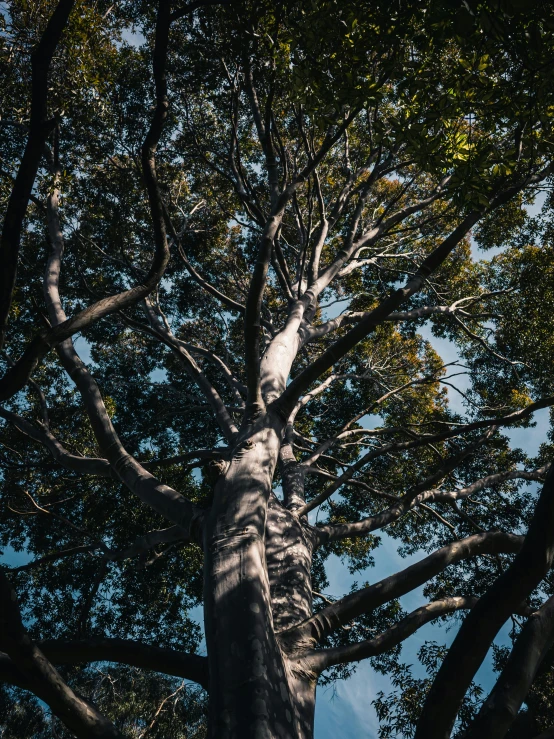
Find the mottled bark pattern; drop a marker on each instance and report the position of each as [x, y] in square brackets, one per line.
[249, 693]
[257, 583]
[289, 546]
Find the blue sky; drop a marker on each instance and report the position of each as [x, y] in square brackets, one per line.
[347, 711]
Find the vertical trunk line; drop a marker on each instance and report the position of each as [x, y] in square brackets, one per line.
[250, 696]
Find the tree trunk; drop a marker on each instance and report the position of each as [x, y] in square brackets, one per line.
[257, 582]
[289, 548]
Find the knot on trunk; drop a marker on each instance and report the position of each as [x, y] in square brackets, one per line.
[215, 469]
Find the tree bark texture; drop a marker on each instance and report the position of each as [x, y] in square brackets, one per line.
[263, 635]
[257, 581]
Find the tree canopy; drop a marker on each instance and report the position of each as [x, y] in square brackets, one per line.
[235, 238]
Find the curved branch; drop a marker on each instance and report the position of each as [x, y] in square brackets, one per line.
[97, 465]
[234, 385]
[321, 659]
[125, 651]
[501, 707]
[483, 623]
[327, 620]
[16, 376]
[163, 499]
[82, 465]
[39, 128]
[172, 342]
[489, 481]
[310, 396]
[44, 680]
[253, 308]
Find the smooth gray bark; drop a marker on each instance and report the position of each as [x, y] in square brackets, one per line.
[480, 627]
[501, 707]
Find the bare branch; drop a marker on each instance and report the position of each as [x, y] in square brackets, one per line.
[489, 481]
[142, 545]
[159, 710]
[98, 543]
[415, 496]
[483, 623]
[264, 132]
[425, 439]
[200, 454]
[502, 706]
[96, 465]
[321, 388]
[39, 128]
[215, 401]
[320, 660]
[252, 316]
[348, 317]
[345, 432]
[284, 405]
[342, 346]
[373, 596]
[45, 681]
[127, 652]
[236, 387]
[351, 247]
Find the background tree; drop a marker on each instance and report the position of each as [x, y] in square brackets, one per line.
[237, 228]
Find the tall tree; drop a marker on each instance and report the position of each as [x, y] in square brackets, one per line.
[237, 228]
